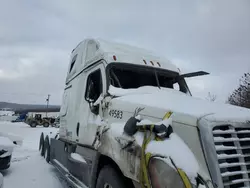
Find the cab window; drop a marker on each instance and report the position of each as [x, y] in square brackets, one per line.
[72, 63]
[94, 86]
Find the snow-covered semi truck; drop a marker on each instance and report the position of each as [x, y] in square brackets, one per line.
[128, 119]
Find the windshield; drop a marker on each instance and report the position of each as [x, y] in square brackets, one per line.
[134, 76]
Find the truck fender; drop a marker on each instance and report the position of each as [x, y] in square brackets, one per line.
[100, 161]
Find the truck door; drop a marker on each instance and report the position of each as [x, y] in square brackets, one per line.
[95, 83]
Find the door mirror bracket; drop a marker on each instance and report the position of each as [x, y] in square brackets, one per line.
[94, 105]
[94, 108]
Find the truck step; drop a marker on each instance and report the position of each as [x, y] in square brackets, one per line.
[74, 182]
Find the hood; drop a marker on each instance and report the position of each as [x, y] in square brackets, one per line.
[180, 103]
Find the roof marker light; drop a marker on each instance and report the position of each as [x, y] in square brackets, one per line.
[114, 57]
[152, 63]
[158, 64]
[145, 61]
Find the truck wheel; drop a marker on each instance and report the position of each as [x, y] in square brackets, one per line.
[46, 124]
[33, 124]
[47, 149]
[41, 144]
[110, 178]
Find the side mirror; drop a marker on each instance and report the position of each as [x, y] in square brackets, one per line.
[94, 105]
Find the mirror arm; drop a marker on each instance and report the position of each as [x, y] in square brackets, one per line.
[94, 108]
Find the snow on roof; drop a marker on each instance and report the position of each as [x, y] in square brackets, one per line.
[124, 51]
[90, 50]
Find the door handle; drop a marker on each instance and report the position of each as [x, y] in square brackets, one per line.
[77, 129]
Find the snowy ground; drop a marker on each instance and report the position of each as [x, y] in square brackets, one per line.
[28, 169]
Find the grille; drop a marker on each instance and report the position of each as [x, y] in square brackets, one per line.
[233, 152]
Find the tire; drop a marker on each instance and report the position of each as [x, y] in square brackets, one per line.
[33, 124]
[46, 124]
[110, 176]
[41, 145]
[47, 149]
[5, 163]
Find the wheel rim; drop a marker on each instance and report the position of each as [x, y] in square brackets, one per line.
[41, 142]
[45, 154]
[106, 185]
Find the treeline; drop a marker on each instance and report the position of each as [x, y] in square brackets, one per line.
[241, 95]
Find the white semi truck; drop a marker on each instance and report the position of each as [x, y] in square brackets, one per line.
[128, 119]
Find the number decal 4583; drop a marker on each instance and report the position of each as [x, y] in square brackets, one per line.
[116, 114]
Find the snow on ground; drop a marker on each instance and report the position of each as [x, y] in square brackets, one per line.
[28, 169]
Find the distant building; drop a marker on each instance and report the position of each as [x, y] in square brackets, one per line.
[5, 109]
[6, 112]
[51, 112]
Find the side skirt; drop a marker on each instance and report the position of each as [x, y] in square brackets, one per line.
[74, 182]
[81, 174]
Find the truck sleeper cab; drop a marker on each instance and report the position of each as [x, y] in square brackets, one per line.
[91, 71]
[106, 82]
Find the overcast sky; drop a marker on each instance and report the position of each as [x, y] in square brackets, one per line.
[37, 37]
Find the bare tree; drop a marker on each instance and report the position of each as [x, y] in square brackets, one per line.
[211, 97]
[241, 95]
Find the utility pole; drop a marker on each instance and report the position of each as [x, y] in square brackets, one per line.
[47, 104]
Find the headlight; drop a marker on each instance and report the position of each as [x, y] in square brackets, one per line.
[164, 175]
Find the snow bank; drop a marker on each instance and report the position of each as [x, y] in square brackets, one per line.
[28, 168]
[13, 137]
[78, 157]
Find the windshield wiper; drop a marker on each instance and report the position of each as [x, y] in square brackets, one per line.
[157, 80]
[116, 79]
